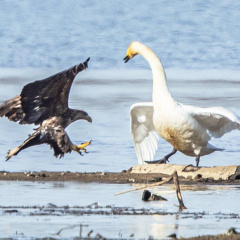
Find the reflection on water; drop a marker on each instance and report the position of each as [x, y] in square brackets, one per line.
[50, 210]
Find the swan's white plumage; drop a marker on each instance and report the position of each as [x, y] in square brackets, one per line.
[144, 136]
[187, 128]
[217, 120]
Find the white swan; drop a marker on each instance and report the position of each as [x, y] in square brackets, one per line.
[187, 128]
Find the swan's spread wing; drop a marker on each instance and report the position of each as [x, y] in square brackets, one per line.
[217, 120]
[144, 136]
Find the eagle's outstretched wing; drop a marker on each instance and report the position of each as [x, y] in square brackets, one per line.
[42, 99]
[12, 109]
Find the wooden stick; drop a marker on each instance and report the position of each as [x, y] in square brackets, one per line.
[147, 186]
[179, 196]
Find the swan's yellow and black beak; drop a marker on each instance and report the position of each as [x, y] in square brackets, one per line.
[126, 59]
[129, 55]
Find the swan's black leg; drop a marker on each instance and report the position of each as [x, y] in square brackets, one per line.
[197, 160]
[163, 160]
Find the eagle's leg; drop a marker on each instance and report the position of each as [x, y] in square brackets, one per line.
[30, 141]
[163, 160]
[81, 147]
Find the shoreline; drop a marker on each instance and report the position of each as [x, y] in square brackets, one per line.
[124, 177]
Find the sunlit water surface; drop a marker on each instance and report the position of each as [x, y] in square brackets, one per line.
[202, 216]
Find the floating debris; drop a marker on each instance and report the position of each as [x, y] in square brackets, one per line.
[148, 196]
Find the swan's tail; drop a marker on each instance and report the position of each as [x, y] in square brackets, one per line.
[210, 149]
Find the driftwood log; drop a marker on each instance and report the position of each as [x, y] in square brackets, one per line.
[173, 177]
[179, 195]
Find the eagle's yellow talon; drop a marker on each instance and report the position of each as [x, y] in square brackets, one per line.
[82, 146]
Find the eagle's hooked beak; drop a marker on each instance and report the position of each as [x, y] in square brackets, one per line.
[89, 119]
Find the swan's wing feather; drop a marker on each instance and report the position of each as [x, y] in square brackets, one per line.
[145, 138]
[217, 120]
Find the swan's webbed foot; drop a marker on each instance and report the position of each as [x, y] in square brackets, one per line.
[163, 160]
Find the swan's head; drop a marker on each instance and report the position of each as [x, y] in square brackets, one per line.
[132, 51]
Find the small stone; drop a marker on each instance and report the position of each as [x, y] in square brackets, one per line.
[156, 179]
[155, 197]
[146, 195]
[172, 236]
[11, 211]
[198, 176]
[231, 231]
[131, 180]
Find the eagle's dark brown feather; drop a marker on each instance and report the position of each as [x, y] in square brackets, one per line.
[45, 102]
[12, 109]
[49, 97]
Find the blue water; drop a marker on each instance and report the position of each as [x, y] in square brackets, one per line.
[202, 216]
[56, 34]
[197, 42]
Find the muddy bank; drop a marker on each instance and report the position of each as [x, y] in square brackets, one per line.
[126, 176]
[217, 237]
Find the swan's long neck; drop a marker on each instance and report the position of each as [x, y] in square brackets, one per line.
[161, 96]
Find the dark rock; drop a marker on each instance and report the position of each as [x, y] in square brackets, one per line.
[11, 211]
[172, 236]
[146, 195]
[155, 197]
[156, 179]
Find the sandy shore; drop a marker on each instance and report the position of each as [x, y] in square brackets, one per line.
[126, 176]
[217, 237]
